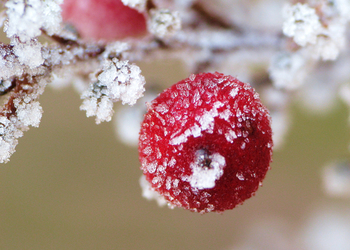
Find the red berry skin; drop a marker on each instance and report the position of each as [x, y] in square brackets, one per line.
[106, 20]
[206, 143]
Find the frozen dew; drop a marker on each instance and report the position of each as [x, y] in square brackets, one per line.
[302, 23]
[123, 81]
[29, 113]
[230, 136]
[234, 92]
[26, 18]
[118, 80]
[164, 23]
[139, 5]
[206, 122]
[102, 108]
[28, 53]
[9, 65]
[8, 138]
[206, 169]
[151, 167]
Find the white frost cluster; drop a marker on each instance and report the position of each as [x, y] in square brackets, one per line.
[29, 53]
[26, 18]
[301, 23]
[304, 25]
[118, 80]
[25, 21]
[28, 114]
[8, 139]
[164, 23]
[205, 177]
[206, 123]
[139, 5]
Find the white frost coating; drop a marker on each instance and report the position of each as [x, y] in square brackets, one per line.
[123, 81]
[330, 41]
[139, 5]
[115, 48]
[206, 122]
[301, 23]
[202, 176]
[304, 25]
[164, 23]
[118, 80]
[101, 108]
[207, 119]
[29, 53]
[29, 113]
[230, 136]
[26, 18]
[149, 193]
[8, 138]
[151, 167]
[234, 92]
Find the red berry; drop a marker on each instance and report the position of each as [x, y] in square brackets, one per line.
[103, 19]
[206, 143]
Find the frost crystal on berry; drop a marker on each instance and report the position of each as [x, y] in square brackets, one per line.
[206, 143]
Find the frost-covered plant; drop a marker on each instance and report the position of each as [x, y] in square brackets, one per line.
[275, 46]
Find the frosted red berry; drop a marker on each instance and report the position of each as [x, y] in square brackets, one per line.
[206, 143]
[103, 19]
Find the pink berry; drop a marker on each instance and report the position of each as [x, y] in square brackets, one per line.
[103, 19]
[206, 143]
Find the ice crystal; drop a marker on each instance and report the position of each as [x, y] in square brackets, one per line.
[139, 5]
[301, 23]
[164, 23]
[306, 27]
[29, 53]
[118, 80]
[26, 18]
